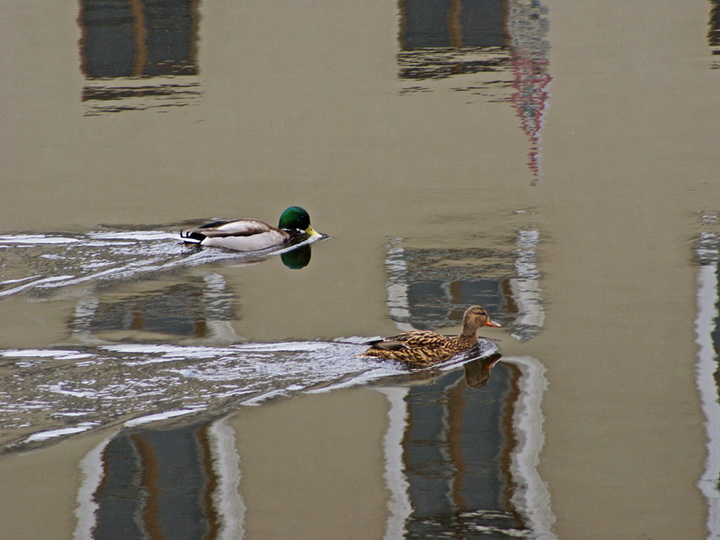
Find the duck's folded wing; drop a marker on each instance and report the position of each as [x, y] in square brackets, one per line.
[243, 227]
[425, 338]
[387, 344]
[409, 340]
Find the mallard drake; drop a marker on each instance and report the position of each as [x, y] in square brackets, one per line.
[251, 234]
[422, 348]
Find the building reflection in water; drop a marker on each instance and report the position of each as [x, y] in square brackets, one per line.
[138, 54]
[458, 461]
[462, 450]
[179, 483]
[707, 328]
[200, 307]
[503, 38]
[430, 288]
[462, 461]
[714, 31]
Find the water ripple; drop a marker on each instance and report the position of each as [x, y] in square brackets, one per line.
[45, 262]
[48, 394]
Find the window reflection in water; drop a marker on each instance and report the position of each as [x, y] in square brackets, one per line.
[456, 455]
[138, 54]
[707, 326]
[430, 288]
[462, 461]
[199, 308]
[452, 23]
[500, 44]
[178, 483]
[714, 31]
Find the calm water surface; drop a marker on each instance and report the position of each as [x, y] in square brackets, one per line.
[556, 164]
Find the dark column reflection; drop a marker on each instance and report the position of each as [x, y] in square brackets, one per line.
[126, 40]
[135, 38]
[452, 23]
[714, 31]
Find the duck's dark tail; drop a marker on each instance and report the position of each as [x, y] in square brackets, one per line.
[192, 236]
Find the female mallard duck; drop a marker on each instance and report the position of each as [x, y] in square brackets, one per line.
[422, 348]
[251, 234]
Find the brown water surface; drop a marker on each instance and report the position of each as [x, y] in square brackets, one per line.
[554, 162]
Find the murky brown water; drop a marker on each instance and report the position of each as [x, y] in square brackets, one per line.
[555, 163]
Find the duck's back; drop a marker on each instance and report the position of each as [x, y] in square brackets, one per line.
[412, 339]
[240, 235]
[419, 348]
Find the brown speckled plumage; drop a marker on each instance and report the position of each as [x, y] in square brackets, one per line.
[421, 348]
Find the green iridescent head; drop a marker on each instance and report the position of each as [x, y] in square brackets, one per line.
[295, 218]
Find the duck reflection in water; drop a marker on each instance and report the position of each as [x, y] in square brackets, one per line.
[297, 258]
[423, 348]
[477, 372]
